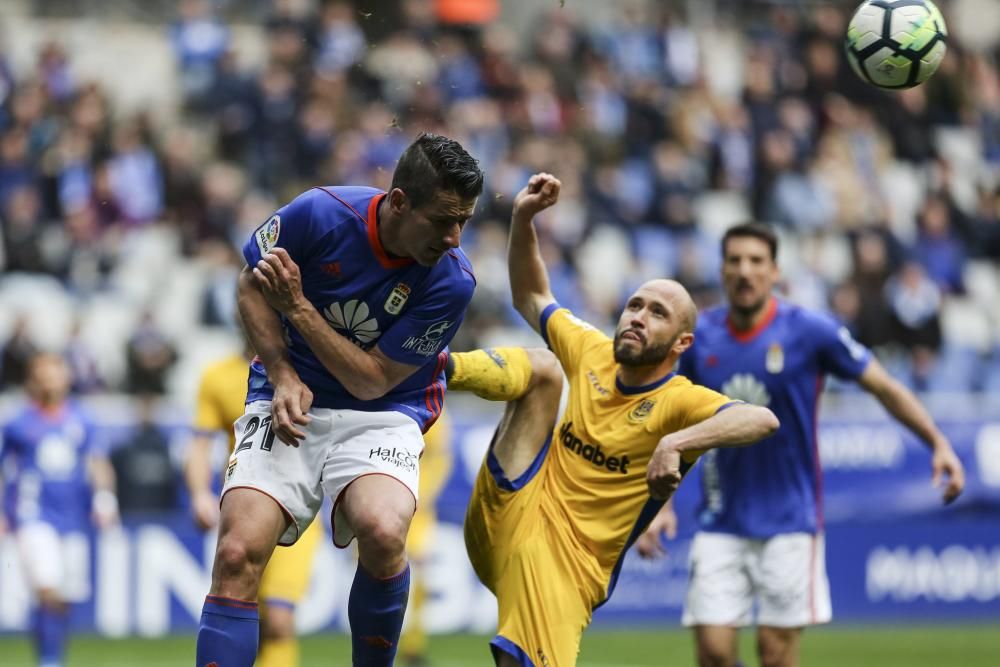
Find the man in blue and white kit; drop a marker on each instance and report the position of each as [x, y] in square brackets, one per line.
[350, 297]
[57, 483]
[761, 519]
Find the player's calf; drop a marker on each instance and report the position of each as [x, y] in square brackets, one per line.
[528, 421]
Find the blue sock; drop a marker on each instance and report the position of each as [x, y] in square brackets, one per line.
[227, 634]
[376, 609]
[51, 632]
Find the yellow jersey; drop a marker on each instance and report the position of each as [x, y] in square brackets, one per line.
[221, 396]
[595, 475]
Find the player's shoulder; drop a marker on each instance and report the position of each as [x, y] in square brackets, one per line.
[455, 271]
[712, 319]
[807, 321]
[332, 206]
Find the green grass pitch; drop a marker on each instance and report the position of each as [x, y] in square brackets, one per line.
[938, 646]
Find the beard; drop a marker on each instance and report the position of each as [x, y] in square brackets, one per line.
[647, 355]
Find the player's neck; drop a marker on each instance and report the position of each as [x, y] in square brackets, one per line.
[749, 320]
[387, 228]
[48, 407]
[640, 376]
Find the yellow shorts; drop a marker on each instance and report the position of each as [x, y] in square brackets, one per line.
[530, 565]
[286, 576]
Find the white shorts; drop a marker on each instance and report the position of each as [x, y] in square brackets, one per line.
[59, 563]
[785, 575]
[340, 446]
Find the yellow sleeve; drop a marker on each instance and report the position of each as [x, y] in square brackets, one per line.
[208, 415]
[568, 336]
[696, 403]
[691, 405]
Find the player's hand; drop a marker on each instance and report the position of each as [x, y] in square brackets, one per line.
[541, 192]
[292, 400]
[205, 510]
[663, 474]
[104, 509]
[280, 281]
[945, 463]
[650, 543]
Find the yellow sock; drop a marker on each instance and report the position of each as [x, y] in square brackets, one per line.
[413, 640]
[278, 653]
[496, 374]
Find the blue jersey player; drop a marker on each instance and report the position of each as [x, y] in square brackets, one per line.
[350, 297]
[761, 525]
[55, 483]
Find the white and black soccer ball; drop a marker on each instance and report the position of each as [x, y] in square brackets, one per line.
[896, 43]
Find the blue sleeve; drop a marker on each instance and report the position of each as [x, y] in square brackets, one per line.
[838, 353]
[427, 328]
[291, 228]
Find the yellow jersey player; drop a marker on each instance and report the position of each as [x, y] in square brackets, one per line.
[435, 465]
[221, 395]
[554, 510]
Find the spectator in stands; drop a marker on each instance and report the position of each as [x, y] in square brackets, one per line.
[18, 350]
[150, 356]
[938, 248]
[147, 479]
[199, 39]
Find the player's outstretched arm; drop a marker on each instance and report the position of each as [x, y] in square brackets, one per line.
[737, 426]
[367, 375]
[904, 406]
[529, 280]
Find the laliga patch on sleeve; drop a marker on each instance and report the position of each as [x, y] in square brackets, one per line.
[267, 234]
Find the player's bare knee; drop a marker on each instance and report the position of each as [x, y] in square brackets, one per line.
[546, 373]
[776, 649]
[712, 654]
[236, 561]
[277, 623]
[381, 535]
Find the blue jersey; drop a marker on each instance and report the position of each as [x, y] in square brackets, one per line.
[43, 462]
[409, 311]
[774, 486]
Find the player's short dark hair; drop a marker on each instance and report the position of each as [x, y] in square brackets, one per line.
[432, 164]
[756, 230]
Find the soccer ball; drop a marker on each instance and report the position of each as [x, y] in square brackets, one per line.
[896, 43]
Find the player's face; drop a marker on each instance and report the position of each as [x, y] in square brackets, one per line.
[650, 327]
[434, 228]
[748, 273]
[48, 379]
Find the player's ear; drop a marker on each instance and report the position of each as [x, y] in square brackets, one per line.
[398, 201]
[683, 342]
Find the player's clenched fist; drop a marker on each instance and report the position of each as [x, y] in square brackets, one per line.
[541, 192]
[663, 474]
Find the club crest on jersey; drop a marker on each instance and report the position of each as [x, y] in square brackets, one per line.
[639, 413]
[231, 468]
[267, 234]
[775, 360]
[397, 298]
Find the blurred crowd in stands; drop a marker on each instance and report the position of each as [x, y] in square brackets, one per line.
[663, 131]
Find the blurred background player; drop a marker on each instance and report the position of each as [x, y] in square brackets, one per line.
[221, 397]
[435, 466]
[57, 485]
[761, 540]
